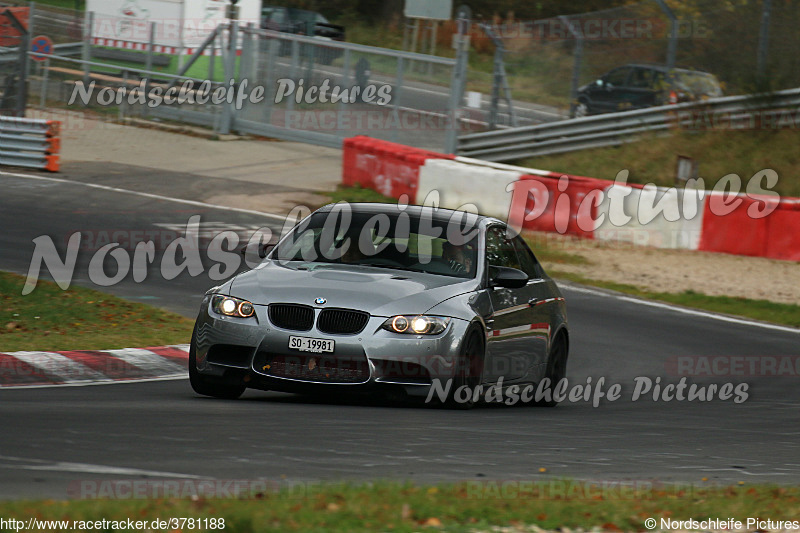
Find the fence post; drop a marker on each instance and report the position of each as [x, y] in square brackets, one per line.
[230, 74]
[577, 60]
[45, 80]
[86, 53]
[269, 81]
[672, 43]
[763, 38]
[396, 97]
[459, 79]
[151, 48]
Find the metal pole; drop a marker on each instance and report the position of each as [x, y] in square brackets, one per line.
[672, 44]
[151, 46]
[763, 38]
[230, 74]
[212, 60]
[458, 80]
[434, 31]
[45, 76]
[577, 60]
[396, 97]
[269, 82]
[86, 53]
[181, 49]
[293, 72]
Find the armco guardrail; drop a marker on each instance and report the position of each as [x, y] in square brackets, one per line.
[30, 143]
[616, 128]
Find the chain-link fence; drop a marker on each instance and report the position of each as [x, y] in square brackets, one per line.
[749, 46]
[269, 83]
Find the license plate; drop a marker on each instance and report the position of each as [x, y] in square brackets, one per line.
[308, 344]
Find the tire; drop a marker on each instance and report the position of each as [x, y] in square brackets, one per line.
[468, 370]
[581, 110]
[209, 385]
[556, 368]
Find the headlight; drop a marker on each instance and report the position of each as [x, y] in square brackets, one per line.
[229, 306]
[416, 324]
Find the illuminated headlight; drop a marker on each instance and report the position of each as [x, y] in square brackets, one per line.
[226, 305]
[416, 325]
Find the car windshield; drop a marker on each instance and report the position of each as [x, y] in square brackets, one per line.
[394, 241]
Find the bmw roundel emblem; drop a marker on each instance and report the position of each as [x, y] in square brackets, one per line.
[320, 301]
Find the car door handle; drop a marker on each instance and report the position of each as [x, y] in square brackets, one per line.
[533, 301]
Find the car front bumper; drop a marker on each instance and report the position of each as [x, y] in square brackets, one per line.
[259, 352]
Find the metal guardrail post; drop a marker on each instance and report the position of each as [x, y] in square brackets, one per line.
[30, 143]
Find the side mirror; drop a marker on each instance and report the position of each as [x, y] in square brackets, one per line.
[508, 278]
[263, 250]
[599, 83]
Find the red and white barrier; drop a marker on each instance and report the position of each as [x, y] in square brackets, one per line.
[540, 200]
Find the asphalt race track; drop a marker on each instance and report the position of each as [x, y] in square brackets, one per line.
[55, 437]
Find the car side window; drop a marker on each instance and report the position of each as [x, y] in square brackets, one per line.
[526, 259]
[499, 250]
[641, 78]
[617, 77]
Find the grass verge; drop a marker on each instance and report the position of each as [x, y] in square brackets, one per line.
[718, 153]
[80, 319]
[764, 310]
[471, 506]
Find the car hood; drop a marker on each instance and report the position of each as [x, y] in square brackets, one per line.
[378, 291]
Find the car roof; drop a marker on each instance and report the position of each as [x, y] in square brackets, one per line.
[662, 68]
[436, 213]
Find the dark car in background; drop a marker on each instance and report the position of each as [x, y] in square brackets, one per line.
[303, 22]
[639, 86]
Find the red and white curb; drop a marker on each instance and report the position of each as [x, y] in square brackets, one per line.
[76, 368]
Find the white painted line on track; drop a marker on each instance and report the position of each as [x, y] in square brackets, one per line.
[679, 309]
[86, 468]
[174, 377]
[145, 195]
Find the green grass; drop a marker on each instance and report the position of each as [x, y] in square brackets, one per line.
[778, 313]
[67, 4]
[80, 319]
[386, 506]
[718, 153]
[357, 194]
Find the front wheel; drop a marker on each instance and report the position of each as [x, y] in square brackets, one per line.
[210, 385]
[556, 369]
[467, 373]
[581, 110]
